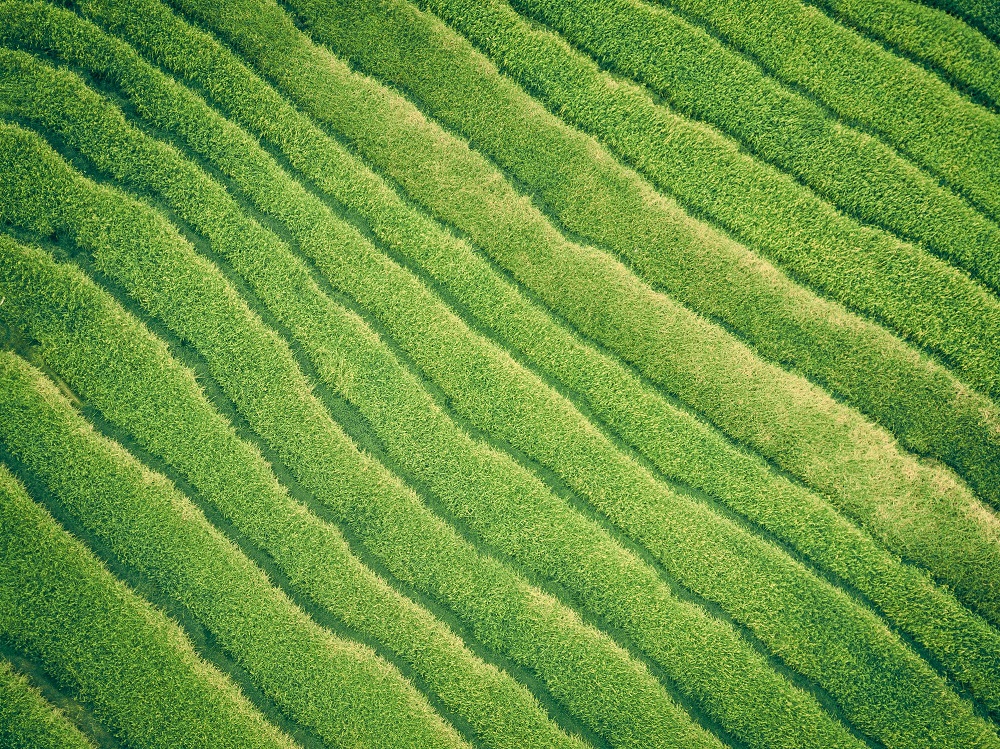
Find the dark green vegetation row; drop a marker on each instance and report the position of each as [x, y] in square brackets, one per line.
[472, 480]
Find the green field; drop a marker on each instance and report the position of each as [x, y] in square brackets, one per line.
[499, 374]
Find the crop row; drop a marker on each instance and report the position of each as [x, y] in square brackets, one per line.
[27, 720]
[520, 516]
[962, 54]
[701, 78]
[131, 664]
[115, 364]
[863, 83]
[257, 371]
[964, 644]
[420, 438]
[609, 304]
[981, 14]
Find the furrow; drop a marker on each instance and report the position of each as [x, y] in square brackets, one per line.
[952, 446]
[30, 721]
[202, 640]
[127, 661]
[421, 549]
[946, 46]
[701, 78]
[916, 112]
[554, 161]
[924, 486]
[969, 650]
[865, 362]
[295, 539]
[979, 14]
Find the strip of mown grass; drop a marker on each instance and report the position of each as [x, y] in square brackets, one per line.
[499, 500]
[961, 54]
[702, 78]
[116, 365]
[126, 660]
[964, 644]
[27, 720]
[909, 107]
[909, 505]
[598, 682]
[340, 689]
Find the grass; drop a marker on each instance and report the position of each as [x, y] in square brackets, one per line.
[133, 666]
[446, 404]
[415, 435]
[339, 689]
[913, 110]
[416, 546]
[961, 55]
[114, 363]
[965, 646]
[701, 78]
[27, 720]
[924, 299]
[856, 465]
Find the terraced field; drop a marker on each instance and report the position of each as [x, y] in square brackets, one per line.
[500, 374]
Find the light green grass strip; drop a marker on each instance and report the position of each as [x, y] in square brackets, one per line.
[963, 56]
[700, 77]
[676, 443]
[520, 517]
[27, 720]
[115, 364]
[909, 505]
[348, 695]
[597, 681]
[963, 643]
[921, 297]
[909, 107]
[123, 658]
